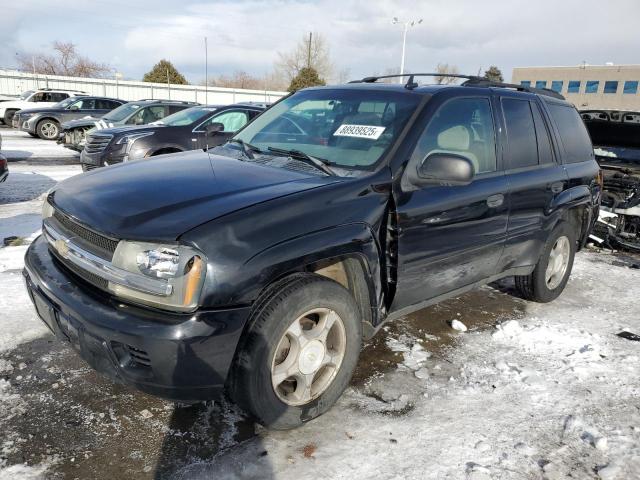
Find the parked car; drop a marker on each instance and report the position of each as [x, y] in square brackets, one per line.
[4, 165]
[616, 138]
[261, 265]
[44, 97]
[45, 122]
[142, 112]
[189, 129]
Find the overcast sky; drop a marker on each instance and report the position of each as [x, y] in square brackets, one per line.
[131, 35]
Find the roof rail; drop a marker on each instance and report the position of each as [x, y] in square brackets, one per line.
[471, 81]
[59, 90]
[483, 82]
[165, 100]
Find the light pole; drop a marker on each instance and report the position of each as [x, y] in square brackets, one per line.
[406, 25]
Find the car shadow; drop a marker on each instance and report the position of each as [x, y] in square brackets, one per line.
[22, 187]
[16, 155]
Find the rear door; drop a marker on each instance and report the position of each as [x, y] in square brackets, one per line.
[451, 236]
[535, 177]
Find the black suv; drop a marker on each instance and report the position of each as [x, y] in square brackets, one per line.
[262, 265]
[45, 122]
[189, 129]
[140, 112]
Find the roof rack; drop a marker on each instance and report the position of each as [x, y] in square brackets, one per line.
[59, 90]
[471, 81]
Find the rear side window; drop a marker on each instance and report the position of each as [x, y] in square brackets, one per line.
[522, 148]
[573, 133]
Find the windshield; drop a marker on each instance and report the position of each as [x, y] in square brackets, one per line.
[346, 127]
[26, 94]
[121, 113]
[186, 116]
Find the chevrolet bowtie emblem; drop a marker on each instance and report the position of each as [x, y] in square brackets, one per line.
[62, 247]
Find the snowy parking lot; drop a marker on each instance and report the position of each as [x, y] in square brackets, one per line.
[518, 391]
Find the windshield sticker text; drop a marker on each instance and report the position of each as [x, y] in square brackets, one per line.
[359, 131]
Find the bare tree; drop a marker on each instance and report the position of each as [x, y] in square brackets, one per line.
[242, 79]
[65, 60]
[443, 69]
[311, 51]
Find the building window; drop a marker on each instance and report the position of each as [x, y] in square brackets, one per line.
[541, 84]
[527, 83]
[611, 86]
[556, 85]
[574, 86]
[631, 87]
[592, 86]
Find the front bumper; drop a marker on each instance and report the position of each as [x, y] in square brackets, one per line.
[100, 159]
[178, 356]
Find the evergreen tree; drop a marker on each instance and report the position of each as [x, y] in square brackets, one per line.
[307, 77]
[493, 74]
[161, 70]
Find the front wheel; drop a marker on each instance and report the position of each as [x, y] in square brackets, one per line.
[48, 129]
[551, 274]
[299, 352]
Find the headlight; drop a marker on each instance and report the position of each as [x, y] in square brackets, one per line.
[181, 268]
[47, 209]
[129, 139]
[26, 115]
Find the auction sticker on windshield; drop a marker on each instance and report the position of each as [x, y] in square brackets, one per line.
[359, 131]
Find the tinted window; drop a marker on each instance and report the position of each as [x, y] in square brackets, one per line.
[106, 104]
[525, 83]
[541, 84]
[463, 126]
[574, 86]
[592, 86]
[56, 96]
[522, 148]
[631, 87]
[545, 151]
[573, 133]
[147, 115]
[610, 87]
[84, 104]
[556, 85]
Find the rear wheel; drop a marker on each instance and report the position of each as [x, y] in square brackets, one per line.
[299, 353]
[48, 129]
[551, 274]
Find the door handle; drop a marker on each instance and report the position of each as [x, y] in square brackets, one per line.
[495, 200]
[556, 187]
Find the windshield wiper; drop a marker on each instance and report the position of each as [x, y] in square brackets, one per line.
[300, 155]
[247, 148]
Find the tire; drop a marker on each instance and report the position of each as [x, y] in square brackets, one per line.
[538, 286]
[8, 116]
[286, 404]
[48, 129]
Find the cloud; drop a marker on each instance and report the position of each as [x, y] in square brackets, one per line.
[246, 35]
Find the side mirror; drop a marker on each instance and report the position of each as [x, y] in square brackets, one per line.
[214, 128]
[446, 168]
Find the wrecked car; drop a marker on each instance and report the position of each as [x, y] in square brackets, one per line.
[260, 266]
[616, 138]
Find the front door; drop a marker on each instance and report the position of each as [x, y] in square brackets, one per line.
[451, 236]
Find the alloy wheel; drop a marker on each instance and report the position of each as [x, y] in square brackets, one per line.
[558, 262]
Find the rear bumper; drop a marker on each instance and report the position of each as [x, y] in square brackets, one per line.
[178, 356]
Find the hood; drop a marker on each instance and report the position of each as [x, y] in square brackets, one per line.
[162, 198]
[129, 129]
[87, 121]
[40, 110]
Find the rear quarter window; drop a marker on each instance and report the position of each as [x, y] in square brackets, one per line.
[573, 133]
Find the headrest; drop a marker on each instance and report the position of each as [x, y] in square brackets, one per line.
[454, 138]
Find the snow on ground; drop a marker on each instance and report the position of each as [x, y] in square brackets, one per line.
[17, 145]
[528, 391]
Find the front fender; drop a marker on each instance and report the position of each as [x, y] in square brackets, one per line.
[242, 286]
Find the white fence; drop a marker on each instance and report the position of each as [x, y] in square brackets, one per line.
[13, 82]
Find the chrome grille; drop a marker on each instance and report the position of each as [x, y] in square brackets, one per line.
[88, 277]
[96, 143]
[103, 246]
